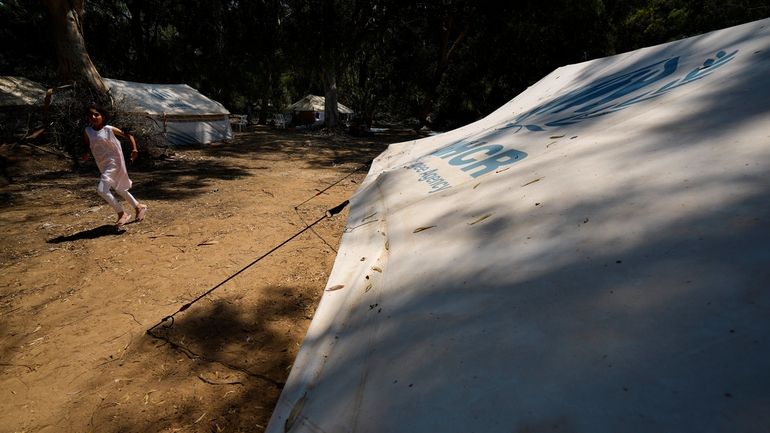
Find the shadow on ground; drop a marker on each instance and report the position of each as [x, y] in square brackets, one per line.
[223, 360]
[96, 232]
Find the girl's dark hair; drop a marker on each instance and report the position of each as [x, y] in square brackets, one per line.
[103, 111]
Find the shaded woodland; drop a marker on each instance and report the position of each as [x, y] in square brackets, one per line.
[441, 63]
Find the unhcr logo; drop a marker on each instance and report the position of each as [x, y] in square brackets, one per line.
[431, 177]
[476, 158]
[602, 97]
[615, 93]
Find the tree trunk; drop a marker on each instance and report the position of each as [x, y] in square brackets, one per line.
[263, 110]
[136, 8]
[65, 20]
[331, 115]
[447, 50]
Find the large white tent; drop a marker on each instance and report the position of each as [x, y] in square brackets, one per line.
[311, 109]
[591, 257]
[316, 103]
[20, 93]
[186, 115]
[21, 101]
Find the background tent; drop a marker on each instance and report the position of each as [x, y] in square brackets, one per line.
[19, 92]
[187, 116]
[591, 257]
[310, 109]
[20, 98]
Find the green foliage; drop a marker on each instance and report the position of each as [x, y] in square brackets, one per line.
[452, 61]
[657, 21]
[25, 49]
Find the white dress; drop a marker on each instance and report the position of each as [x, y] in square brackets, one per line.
[108, 155]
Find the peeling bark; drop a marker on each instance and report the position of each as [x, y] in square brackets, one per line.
[74, 63]
[331, 116]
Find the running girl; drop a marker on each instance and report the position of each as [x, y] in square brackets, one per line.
[105, 147]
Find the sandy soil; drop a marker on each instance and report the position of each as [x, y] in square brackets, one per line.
[77, 296]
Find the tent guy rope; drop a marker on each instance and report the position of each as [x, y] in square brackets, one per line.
[367, 164]
[329, 213]
[296, 208]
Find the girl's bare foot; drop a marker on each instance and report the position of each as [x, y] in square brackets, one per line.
[140, 211]
[123, 218]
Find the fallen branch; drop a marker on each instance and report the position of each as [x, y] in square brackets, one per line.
[2, 364]
[219, 382]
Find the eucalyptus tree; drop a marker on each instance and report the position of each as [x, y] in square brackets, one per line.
[74, 64]
[325, 36]
[256, 38]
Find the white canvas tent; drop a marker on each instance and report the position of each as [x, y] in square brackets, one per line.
[21, 104]
[311, 109]
[591, 257]
[186, 115]
[20, 92]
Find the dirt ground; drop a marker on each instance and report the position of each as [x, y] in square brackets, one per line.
[77, 296]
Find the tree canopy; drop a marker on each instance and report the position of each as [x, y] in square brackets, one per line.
[444, 62]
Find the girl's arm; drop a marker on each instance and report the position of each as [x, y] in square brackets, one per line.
[121, 134]
[88, 145]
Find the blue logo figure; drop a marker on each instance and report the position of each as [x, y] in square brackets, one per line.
[604, 97]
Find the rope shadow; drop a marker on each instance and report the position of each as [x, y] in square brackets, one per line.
[96, 232]
[192, 354]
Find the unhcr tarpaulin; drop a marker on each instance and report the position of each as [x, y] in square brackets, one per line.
[591, 257]
[16, 92]
[186, 115]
